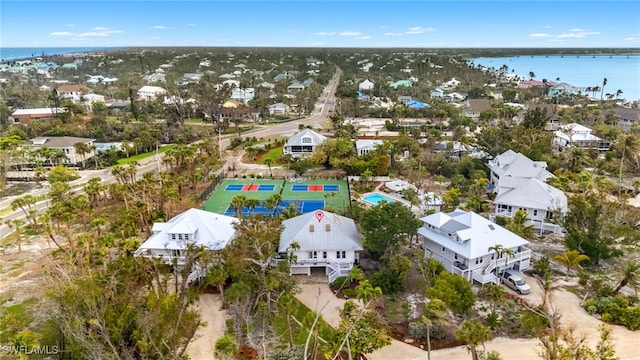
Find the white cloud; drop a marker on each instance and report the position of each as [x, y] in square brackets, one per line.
[365, 37]
[161, 27]
[69, 25]
[318, 44]
[392, 34]
[577, 30]
[632, 39]
[325, 33]
[191, 24]
[419, 30]
[100, 28]
[100, 32]
[540, 35]
[577, 33]
[350, 33]
[61, 33]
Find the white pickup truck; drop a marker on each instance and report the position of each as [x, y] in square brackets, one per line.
[515, 281]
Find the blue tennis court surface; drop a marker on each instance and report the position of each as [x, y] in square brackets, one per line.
[332, 188]
[266, 187]
[234, 187]
[299, 187]
[303, 206]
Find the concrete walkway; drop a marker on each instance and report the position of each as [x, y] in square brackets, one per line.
[213, 318]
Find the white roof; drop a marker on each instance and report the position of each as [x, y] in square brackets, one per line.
[37, 111]
[211, 230]
[296, 139]
[367, 144]
[516, 165]
[398, 185]
[476, 234]
[310, 232]
[152, 89]
[575, 132]
[533, 194]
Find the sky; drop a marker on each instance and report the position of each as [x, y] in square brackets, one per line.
[330, 23]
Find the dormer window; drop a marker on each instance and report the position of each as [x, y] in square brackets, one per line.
[312, 228]
[307, 140]
[327, 227]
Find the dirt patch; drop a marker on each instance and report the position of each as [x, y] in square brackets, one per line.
[212, 327]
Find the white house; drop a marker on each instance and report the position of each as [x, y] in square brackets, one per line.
[366, 85]
[324, 240]
[278, 109]
[151, 92]
[519, 184]
[540, 200]
[244, 95]
[463, 241]
[67, 145]
[155, 77]
[510, 167]
[576, 135]
[194, 226]
[364, 146]
[303, 143]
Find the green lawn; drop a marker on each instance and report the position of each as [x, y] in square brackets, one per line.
[273, 153]
[299, 314]
[144, 155]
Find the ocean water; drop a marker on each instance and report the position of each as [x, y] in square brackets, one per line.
[621, 71]
[9, 54]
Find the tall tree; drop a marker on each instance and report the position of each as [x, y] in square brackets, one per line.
[629, 274]
[386, 227]
[474, 334]
[571, 259]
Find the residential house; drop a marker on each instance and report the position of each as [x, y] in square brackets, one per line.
[404, 83]
[437, 93]
[430, 201]
[404, 99]
[72, 92]
[627, 117]
[451, 83]
[454, 149]
[231, 83]
[323, 240]
[308, 82]
[295, 87]
[563, 89]
[283, 76]
[365, 146]
[579, 136]
[471, 246]
[90, 99]
[366, 85]
[474, 107]
[519, 184]
[169, 240]
[278, 109]
[241, 113]
[25, 116]
[541, 201]
[244, 95]
[267, 85]
[151, 92]
[155, 77]
[232, 104]
[67, 145]
[398, 187]
[510, 167]
[528, 84]
[415, 104]
[303, 143]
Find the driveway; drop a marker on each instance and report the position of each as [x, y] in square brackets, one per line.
[212, 328]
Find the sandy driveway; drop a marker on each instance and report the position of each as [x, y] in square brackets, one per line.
[202, 345]
[627, 343]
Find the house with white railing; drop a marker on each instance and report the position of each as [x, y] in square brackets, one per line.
[169, 240]
[472, 246]
[319, 239]
[519, 184]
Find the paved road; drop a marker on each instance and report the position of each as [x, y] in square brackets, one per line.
[320, 113]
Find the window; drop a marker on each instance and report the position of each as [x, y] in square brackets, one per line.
[306, 140]
[311, 228]
[327, 227]
[338, 255]
[444, 249]
[179, 236]
[535, 212]
[313, 254]
[173, 236]
[455, 256]
[324, 254]
[176, 253]
[549, 215]
[344, 254]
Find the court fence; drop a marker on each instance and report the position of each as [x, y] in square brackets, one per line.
[206, 193]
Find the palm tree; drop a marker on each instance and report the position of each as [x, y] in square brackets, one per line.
[531, 75]
[432, 312]
[367, 292]
[629, 146]
[268, 162]
[82, 149]
[571, 258]
[495, 294]
[498, 251]
[237, 204]
[474, 334]
[271, 203]
[630, 276]
[604, 83]
[252, 204]
[518, 225]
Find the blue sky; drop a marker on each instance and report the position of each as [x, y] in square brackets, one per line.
[27, 23]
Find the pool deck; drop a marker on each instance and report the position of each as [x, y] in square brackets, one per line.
[390, 196]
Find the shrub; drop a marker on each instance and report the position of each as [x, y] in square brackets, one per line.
[349, 293]
[417, 330]
[438, 331]
[339, 282]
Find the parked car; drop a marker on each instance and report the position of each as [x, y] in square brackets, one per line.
[515, 281]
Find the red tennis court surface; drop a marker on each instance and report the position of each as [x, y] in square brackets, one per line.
[250, 187]
[315, 188]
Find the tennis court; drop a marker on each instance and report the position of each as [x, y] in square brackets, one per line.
[302, 206]
[315, 187]
[250, 187]
[308, 195]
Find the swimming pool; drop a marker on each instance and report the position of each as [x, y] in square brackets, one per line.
[376, 198]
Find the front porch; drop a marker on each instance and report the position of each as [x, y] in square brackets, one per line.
[334, 268]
